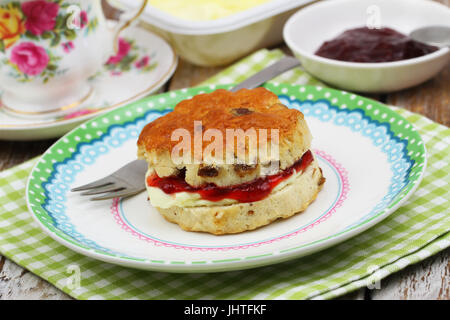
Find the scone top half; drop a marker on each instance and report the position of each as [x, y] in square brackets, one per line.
[225, 138]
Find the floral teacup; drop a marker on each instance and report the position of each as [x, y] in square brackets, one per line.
[48, 50]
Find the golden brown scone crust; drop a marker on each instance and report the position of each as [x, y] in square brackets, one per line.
[221, 110]
[258, 108]
[236, 218]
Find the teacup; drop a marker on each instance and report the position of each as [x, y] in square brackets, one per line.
[48, 51]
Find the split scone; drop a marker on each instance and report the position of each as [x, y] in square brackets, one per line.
[228, 162]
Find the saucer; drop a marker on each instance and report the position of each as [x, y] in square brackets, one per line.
[149, 64]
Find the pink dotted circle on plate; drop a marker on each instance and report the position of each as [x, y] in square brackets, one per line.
[343, 177]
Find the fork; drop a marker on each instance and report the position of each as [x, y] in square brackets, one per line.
[128, 181]
[125, 182]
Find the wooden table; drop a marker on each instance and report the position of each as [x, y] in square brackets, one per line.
[429, 279]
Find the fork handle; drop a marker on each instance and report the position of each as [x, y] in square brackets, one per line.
[279, 67]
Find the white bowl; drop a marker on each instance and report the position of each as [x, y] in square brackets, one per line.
[309, 28]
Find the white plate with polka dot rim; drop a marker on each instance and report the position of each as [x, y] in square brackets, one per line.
[372, 157]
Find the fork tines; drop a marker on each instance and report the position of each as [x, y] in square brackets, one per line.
[125, 182]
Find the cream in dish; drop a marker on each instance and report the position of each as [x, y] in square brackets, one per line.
[204, 10]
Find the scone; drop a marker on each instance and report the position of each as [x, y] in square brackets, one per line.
[228, 162]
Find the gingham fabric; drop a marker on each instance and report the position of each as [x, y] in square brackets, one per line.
[414, 232]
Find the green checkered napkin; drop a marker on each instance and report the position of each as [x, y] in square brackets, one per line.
[416, 231]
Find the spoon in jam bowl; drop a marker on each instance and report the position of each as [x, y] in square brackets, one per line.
[438, 36]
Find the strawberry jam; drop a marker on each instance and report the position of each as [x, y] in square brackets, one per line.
[373, 45]
[255, 190]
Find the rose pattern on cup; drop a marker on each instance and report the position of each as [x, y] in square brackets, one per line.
[29, 58]
[68, 46]
[129, 57]
[40, 16]
[12, 26]
[37, 21]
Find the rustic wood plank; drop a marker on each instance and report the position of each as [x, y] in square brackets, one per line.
[13, 153]
[427, 280]
[110, 11]
[445, 2]
[431, 99]
[187, 75]
[17, 283]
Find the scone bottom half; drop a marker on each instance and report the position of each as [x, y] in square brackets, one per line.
[210, 194]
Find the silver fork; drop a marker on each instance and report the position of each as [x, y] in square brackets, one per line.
[125, 182]
[129, 180]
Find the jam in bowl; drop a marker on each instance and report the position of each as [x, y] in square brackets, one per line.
[373, 45]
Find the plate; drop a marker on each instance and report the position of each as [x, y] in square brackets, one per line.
[373, 160]
[147, 66]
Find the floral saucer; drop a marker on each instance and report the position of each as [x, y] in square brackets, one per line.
[143, 65]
